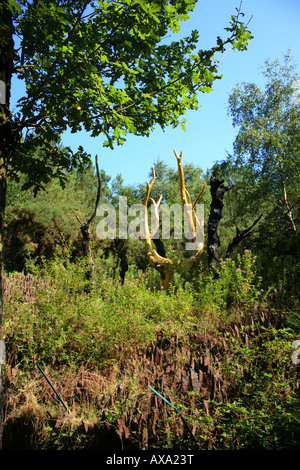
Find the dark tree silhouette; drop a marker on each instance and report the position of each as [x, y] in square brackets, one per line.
[217, 190]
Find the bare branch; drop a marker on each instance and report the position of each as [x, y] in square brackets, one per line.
[183, 193]
[155, 229]
[199, 195]
[154, 258]
[79, 220]
[240, 235]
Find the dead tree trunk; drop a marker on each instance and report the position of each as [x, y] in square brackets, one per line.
[160, 247]
[121, 252]
[85, 228]
[159, 261]
[217, 190]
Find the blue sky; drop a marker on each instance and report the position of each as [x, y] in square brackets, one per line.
[209, 134]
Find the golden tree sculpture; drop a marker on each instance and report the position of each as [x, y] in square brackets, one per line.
[162, 264]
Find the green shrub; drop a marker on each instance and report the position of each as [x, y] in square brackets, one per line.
[65, 324]
[236, 291]
[263, 410]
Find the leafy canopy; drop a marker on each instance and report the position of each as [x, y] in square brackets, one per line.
[268, 122]
[107, 67]
[265, 164]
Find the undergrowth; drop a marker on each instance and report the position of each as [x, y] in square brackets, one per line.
[95, 348]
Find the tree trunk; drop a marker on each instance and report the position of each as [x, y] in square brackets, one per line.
[217, 190]
[160, 248]
[87, 251]
[121, 252]
[85, 229]
[288, 209]
[7, 139]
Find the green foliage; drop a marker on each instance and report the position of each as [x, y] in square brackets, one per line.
[72, 327]
[50, 320]
[240, 282]
[237, 291]
[264, 173]
[262, 413]
[106, 68]
[37, 224]
[266, 148]
[293, 318]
